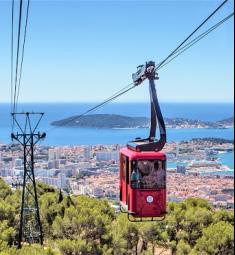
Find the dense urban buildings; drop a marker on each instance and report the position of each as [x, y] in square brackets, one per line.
[193, 170]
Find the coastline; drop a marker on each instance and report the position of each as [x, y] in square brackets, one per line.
[168, 127]
[117, 121]
[87, 136]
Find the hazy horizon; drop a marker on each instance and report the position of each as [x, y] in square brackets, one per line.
[122, 102]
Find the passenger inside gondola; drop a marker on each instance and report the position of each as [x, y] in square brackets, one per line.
[135, 176]
[148, 174]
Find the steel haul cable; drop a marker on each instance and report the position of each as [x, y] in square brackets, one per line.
[12, 50]
[202, 24]
[17, 54]
[22, 55]
[177, 53]
[95, 108]
[194, 41]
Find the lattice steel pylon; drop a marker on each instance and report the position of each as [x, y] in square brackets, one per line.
[30, 230]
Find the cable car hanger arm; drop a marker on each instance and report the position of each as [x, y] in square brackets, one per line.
[144, 72]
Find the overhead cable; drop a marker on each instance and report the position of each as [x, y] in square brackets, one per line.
[194, 41]
[98, 106]
[22, 54]
[17, 54]
[194, 31]
[12, 50]
[178, 51]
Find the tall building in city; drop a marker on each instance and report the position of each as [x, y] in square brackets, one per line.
[88, 152]
[1, 163]
[181, 169]
[58, 153]
[57, 163]
[18, 162]
[51, 154]
[107, 156]
[51, 164]
[177, 150]
[54, 154]
[62, 181]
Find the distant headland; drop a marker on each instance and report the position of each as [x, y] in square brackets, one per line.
[114, 121]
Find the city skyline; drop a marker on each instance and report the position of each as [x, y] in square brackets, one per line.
[93, 170]
[79, 45]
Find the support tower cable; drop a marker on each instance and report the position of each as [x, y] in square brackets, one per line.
[22, 53]
[17, 55]
[12, 50]
[30, 225]
[24, 131]
[195, 40]
[194, 31]
[162, 64]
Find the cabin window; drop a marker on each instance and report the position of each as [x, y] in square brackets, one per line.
[148, 174]
[125, 169]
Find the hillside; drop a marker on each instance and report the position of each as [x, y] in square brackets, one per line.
[227, 122]
[79, 225]
[120, 121]
[104, 121]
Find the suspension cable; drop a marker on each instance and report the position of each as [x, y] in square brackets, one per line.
[194, 41]
[23, 49]
[131, 86]
[17, 55]
[114, 95]
[12, 50]
[181, 44]
[95, 108]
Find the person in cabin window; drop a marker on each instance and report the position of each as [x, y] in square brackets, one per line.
[157, 175]
[135, 176]
[152, 174]
[145, 169]
[161, 175]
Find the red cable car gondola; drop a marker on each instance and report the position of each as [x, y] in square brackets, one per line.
[143, 165]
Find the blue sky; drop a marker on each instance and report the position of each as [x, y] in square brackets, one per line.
[80, 51]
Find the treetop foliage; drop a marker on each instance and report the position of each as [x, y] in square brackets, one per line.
[80, 225]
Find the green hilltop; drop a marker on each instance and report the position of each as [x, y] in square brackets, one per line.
[120, 121]
[79, 225]
[103, 121]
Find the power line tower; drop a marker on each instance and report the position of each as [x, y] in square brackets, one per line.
[30, 225]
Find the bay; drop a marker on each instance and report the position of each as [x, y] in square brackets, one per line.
[75, 136]
[88, 136]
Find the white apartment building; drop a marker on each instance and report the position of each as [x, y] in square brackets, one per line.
[107, 156]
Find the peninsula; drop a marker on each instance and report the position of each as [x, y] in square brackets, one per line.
[115, 121]
[103, 121]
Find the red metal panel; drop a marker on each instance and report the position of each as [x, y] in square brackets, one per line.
[134, 155]
[150, 203]
[142, 203]
[123, 185]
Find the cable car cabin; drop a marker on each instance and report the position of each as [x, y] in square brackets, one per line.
[143, 183]
[143, 165]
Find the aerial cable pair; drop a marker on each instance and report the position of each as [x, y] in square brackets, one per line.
[184, 46]
[20, 50]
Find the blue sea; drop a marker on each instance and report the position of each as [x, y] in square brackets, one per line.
[82, 136]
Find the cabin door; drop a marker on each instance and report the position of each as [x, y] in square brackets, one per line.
[125, 178]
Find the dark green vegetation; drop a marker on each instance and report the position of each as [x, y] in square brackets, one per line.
[104, 121]
[84, 226]
[119, 121]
